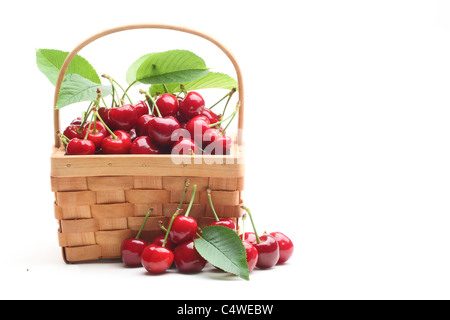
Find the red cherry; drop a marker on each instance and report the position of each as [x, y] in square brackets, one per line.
[104, 114]
[249, 236]
[286, 246]
[229, 223]
[71, 132]
[183, 229]
[97, 137]
[221, 145]
[80, 147]
[156, 259]
[192, 105]
[268, 251]
[121, 145]
[185, 147]
[132, 134]
[141, 108]
[181, 118]
[142, 125]
[131, 251]
[143, 145]
[252, 255]
[197, 127]
[159, 241]
[160, 130]
[187, 259]
[209, 137]
[123, 118]
[76, 122]
[212, 117]
[167, 105]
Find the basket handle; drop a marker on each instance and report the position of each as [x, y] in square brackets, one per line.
[62, 72]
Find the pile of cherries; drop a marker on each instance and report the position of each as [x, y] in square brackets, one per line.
[171, 125]
[177, 247]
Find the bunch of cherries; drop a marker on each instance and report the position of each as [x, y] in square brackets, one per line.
[177, 246]
[171, 125]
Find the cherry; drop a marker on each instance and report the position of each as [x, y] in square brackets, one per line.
[185, 147]
[167, 105]
[141, 109]
[249, 236]
[221, 145]
[71, 132]
[181, 118]
[267, 246]
[80, 147]
[104, 114]
[160, 240]
[209, 137]
[184, 228]
[229, 223]
[197, 127]
[252, 255]
[212, 117]
[118, 142]
[76, 122]
[97, 133]
[156, 259]
[160, 130]
[142, 125]
[143, 145]
[192, 105]
[187, 259]
[131, 249]
[132, 134]
[286, 246]
[123, 118]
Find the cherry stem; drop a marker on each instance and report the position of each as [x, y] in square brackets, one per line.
[258, 240]
[229, 98]
[244, 217]
[208, 193]
[170, 226]
[114, 89]
[223, 120]
[234, 114]
[186, 186]
[229, 94]
[152, 100]
[90, 125]
[107, 128]
[143, 224]
[125, 93]
[85, 117]
[165, 88]
[63, 138]
[192, 200]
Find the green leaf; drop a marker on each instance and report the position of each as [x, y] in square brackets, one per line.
[75, 88]
[213, 80]
[174, 66]
[50, 61]
[223, 248]
[131, 72]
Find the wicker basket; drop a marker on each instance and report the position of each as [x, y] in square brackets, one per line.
[100, 200]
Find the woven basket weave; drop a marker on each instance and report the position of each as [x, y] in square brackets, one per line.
[100, 200]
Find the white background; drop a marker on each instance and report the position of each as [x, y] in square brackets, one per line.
[347, 132]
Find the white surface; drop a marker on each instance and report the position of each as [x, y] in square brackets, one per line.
[347, 131]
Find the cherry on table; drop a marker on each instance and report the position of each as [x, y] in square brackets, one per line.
[187, 259]
[252, 255]
[156, 259]
[286, 246]
[184, 228]
[131, 249]
[268, 251]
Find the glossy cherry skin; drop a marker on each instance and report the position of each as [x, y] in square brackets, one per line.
[71, 132]
[160, 130]
[76, 122]
[121, 145]
[80, 147]
[123, 118]
[252, 255]
[132, 134]
[268, 252]
[142, 125]
[192, 105]
[131, 252]
[104, 115]
[156, 259]
[144, 145]
[249, 236]
[229, 223]
[183, 229]
[141, 108]
[187, 259]
[212, 117]
[159, 241]
[167, 105]
[221, 145]
[209, 137]
[185, 147]
[197, 127]
[286, 246]
[97, 137]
